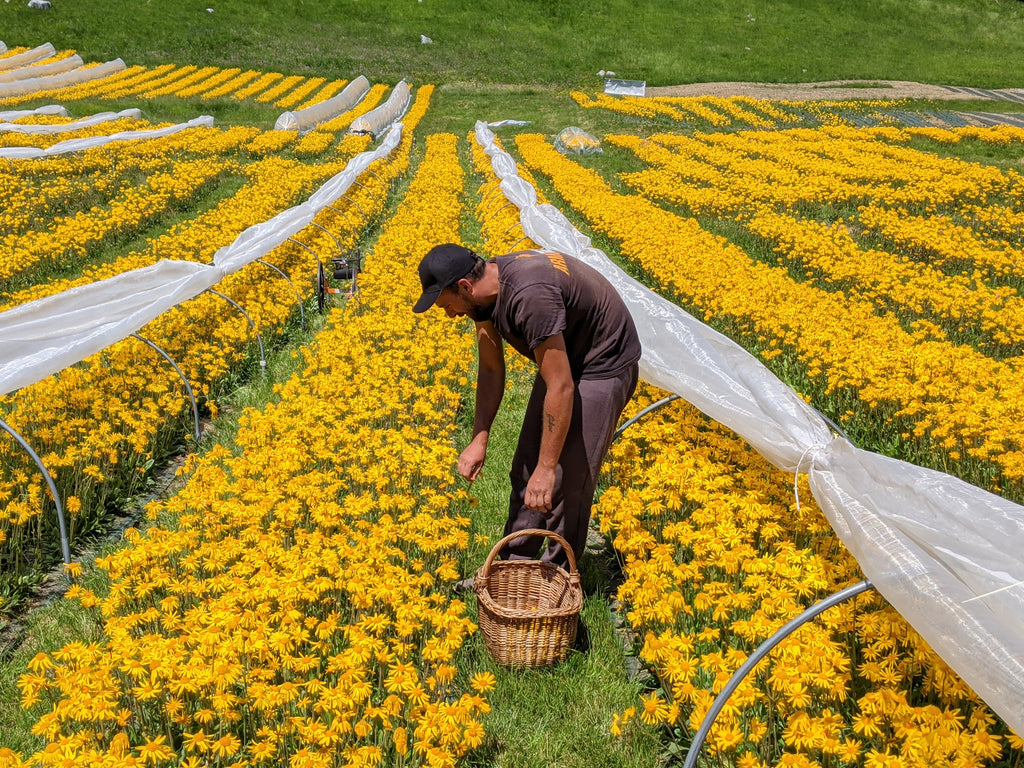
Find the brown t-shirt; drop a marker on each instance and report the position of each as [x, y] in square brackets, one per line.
[541, 294]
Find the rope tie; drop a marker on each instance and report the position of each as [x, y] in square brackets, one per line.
[812, 451]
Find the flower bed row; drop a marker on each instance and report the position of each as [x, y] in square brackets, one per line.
[100, 425]
[717, 557]
[290, 608]
[952, 395]
[188, 81]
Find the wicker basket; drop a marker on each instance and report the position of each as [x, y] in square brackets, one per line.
[528, 610]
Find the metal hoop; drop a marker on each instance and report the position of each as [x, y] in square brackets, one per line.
[65, 543]
[259, 338]
[640, 414]
[188, 387]
[329, 234]
[298, 295]
[346, 197]
[763, 650]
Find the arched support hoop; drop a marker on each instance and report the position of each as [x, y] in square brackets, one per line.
[259, 338]
[298, 295]
[636, 417]
[358, 207]
[65, 542]
[329, 234]
[188, 387]
[760, 653]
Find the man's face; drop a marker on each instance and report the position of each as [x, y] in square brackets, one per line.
[458, 301]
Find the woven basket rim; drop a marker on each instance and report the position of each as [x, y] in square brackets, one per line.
[570, 580]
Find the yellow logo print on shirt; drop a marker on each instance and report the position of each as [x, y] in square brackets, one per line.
[557, 260]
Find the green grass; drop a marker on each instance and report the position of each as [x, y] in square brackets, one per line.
[542, 42]
[561, 715]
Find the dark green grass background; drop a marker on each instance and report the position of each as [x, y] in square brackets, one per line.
[561, 43]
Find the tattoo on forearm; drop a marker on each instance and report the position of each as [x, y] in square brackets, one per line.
[551, 422]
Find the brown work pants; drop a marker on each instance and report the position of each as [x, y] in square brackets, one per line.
[597, 405]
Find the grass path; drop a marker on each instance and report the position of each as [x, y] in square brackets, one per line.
[559, 716]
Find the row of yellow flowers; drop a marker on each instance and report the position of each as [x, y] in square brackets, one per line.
[717, 557]
[961, 400]
[273, 184]
[288, 607]
[730, 174]
[722, 112]
[768, 183]
[189, 81]
[98, 425]
[73, 237]
[40, 191]
[43, 140]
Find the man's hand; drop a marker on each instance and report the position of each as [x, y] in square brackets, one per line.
[540, 490]
[553, 362]
[472, 458]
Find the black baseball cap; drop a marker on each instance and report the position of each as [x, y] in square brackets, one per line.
[442, 267]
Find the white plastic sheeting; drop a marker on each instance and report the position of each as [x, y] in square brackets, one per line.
[41, 70]
[44, 336]
[62, 80]
[304, 120]
[3, 47]
[91, 142]
[49, 109]
[85, 122]
[44, 51]
[376, 121]
[262, 238]
[49, 334]
[944, 553]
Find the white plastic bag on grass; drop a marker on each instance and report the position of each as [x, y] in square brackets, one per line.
[576, 141]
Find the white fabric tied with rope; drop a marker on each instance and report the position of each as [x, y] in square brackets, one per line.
[16, 60]
[304, 120]
[77, 76]
[42, 69]
[944, 553]
[49, 109]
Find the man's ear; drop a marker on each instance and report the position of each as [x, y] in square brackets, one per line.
[465, 286]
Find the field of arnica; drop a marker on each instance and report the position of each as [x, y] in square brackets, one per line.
[230, 521]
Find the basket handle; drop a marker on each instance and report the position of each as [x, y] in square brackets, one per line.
[485, 570]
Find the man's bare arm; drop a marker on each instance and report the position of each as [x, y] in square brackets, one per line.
[490, 388]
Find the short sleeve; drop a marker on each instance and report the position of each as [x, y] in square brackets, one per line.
[538, 312]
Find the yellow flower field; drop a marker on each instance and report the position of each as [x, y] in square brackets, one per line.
[291, 603]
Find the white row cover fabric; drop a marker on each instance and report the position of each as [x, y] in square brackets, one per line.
[49, 109]
[49, 334]
[376, 121]
[42, 70]
[261, 239]
[44, 51]
[3, 47]
[85, 122]
[44, 336]
[304, 120]
[944, 553]
[61, 80]
[91, 142]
